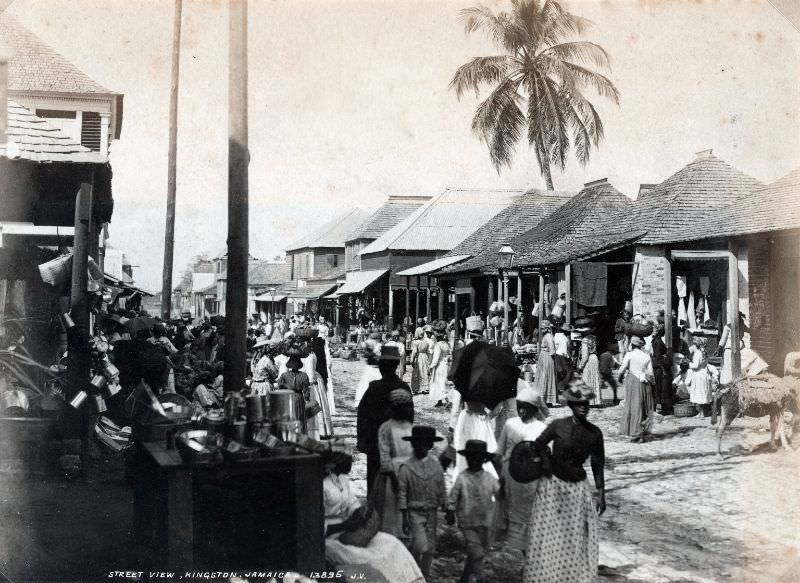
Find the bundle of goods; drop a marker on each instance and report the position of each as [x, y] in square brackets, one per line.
[685, 409]
[641, 329]
[306, 332]
[763, 391]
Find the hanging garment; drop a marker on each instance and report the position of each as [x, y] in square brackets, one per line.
[680, 284]
[704, 283]
[590, 281]
[682, 316]
[690, 309]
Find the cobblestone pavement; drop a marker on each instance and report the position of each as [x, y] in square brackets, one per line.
[676, 511]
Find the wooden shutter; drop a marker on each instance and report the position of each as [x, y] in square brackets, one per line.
[90, 130]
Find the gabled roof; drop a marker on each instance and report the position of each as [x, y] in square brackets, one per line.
[266, 273]
[579, 226]
[523, 213]
[387, 216]
[33, 138]
[688, 201]
[35, 66]
[333, 233]
[775, 207]
[444, 221]
[333, 273]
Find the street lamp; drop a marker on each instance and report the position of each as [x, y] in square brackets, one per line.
[505, 259]
[272, 291]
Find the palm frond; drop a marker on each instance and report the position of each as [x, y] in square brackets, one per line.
[558, 22]
[580, 51]
[600, 83]
[501, 27]
[556, 135]
[479, 71]
[499, 121]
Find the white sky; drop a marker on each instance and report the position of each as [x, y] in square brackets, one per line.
[349, 103]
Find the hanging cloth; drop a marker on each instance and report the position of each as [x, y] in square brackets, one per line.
[682, 316]
[591, 281]
[690, 308]
[704, 283]
[680, 283]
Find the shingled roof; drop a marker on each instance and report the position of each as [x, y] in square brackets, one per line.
[581, 225]
[517, 218]
[387, 216]
[685, 205]
[445, 221]
[35, 66]
[333, 233]
[33, 138]
[266, 273]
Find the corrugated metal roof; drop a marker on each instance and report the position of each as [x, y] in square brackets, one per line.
[358, 281]
[311, 291]
[35, 66]
[270, 298]
[484, 243]
[333, 233]
[445, 221]
[435, 265]
[387, 216]
[33, 138]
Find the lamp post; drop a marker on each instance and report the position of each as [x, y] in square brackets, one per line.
[272, 291]
[506, 258]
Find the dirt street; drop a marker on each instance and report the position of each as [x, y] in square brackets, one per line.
[676, 511]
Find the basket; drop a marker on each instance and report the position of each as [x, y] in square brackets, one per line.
[685, 409]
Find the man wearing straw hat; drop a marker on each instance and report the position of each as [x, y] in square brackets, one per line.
[374, 408]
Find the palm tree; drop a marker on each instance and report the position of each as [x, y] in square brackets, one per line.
[537, 84]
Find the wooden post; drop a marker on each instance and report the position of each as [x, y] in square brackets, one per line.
[238, 235]
[568, 285]
[5, 56]
[416, 301]
[733, 310]
[77, 422]
[172, 154]
[440, 302]
[391, 306]
[541, 306]
[668, 305]
[471, 298]
[428, 301]
[408, 303]
[457, 327]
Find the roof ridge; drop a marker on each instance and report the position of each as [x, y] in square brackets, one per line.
[423, 211]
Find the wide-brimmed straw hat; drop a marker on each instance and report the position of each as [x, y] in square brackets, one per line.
[577, 392]
[262, 341]
[422, 434]
[533, 396]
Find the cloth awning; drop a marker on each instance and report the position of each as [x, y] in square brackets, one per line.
[358, 281]
[271, 298]
[435, 265]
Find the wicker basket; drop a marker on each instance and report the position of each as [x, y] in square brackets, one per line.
[685, 409]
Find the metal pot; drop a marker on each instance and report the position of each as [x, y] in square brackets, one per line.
[288, 431]
[286, 405]
[255, 409]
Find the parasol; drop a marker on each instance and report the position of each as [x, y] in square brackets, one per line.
[485, 373]
[139, 323]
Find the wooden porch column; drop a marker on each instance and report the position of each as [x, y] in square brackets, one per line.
[408, 302]
[733, 310]
[472, 299]
[568, 282]
[668, 305]
[391, 307]
[457, 327]
[440, 303]
[416, 302]
[541, 306]
[428, 300]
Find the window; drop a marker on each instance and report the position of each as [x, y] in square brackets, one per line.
[90, 130]
[333, 261]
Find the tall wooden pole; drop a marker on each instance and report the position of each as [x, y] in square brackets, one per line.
[238, 234]
[172, 153]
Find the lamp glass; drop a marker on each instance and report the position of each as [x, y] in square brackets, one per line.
[506, 256]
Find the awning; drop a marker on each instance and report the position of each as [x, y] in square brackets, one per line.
[312, 291]
[271, 298]
[435, 265]
[358, 281]
[126, 289]
[37, 234]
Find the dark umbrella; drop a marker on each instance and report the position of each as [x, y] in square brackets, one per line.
[139, 323]
[485, 373]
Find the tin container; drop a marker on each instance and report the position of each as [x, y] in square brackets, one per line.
[214, 421]
[258, 432]
[285, 405]
[79, 399]
[100, 404]
[255, 409]
[288, 431]
[98, 381]
[234, 406]
[236, 431]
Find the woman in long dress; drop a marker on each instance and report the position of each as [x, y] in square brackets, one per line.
[590, 365]
[699, 379]
[637, 416]
[545, 381]
[320, 425]
[515, 509]
[393, 450]
[420, 359]
[384, 553]
[263, 368]
[563, 522]
[439, 366]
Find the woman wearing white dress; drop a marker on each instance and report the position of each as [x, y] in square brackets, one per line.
[439, 366]
[420, 362]
[472, 420]
[321, 424]
[699, 380]
[263, 367]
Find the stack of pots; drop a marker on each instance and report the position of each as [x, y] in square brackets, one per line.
[287, 413]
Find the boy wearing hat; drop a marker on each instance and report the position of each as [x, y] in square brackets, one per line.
[420, 491]
[472, 502]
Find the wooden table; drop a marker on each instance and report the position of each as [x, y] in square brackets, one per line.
[261, 515]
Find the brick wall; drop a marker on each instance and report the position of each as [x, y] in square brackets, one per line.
[649, 287]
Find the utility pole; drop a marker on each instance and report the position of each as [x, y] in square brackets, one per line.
[169, 231]
[238, 234]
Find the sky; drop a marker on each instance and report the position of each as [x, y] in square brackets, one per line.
[349, 103]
